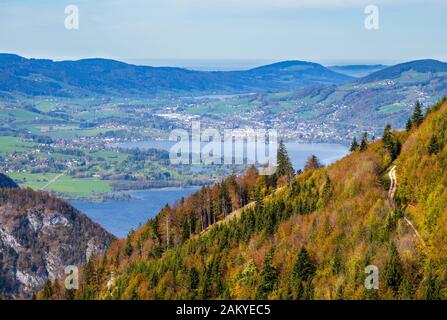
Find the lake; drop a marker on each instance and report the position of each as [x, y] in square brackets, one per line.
[298, 152]
[120, 216]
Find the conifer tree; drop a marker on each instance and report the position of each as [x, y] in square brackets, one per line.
[304, 268]
[433, 146]
[269, 277]
[312, 163]
[397, 146]
[431, 285]
[302, 274]
[393, 270]
[193, 279]
[392, 144]
[354, 145]
[186, 229]
[128, 249]
[409, 124]
[387, 137]
[327, 188]
[364, 142]
[418, 116]
[225, 199]
[284, 167]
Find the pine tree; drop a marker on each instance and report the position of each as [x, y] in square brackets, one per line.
[431, 285]
[391, 144]
[312, 163]
[434, 146]
[409, 124]
[90, 281]
[364, 142]
[193, 279]
[285, 167]
[418, 116]
[302, 274]
[269, 277]
[128, 249]
[327, 189]
[186, 229]
[304, 268]
[397, 146]
[393, 270]
[354, 145]
[387, 137]
[225, 199]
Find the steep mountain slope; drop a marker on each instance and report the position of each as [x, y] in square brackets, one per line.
[101, 76]
[310, 239]
[40, 236]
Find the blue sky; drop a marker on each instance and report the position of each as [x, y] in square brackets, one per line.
[325, 31]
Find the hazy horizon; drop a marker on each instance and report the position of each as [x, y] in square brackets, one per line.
[330, 32]
[221, 64]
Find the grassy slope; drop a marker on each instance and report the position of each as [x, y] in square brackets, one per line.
[64, 184]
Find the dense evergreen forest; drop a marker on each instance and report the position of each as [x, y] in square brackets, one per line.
[297, 235]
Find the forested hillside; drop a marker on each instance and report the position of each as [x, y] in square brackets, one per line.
[88, 77]
[40, 236]
[304, 236]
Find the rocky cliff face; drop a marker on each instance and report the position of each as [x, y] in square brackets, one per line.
[39, 236]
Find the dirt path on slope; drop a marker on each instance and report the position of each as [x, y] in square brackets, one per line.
[392, 201]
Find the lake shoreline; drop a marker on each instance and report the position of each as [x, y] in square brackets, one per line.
[119, 216]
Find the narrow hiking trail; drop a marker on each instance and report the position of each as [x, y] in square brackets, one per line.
[393, 187]
[391, 200]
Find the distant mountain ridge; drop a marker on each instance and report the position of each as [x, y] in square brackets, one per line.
[422, 66]
[371, 102]
[103, 76]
